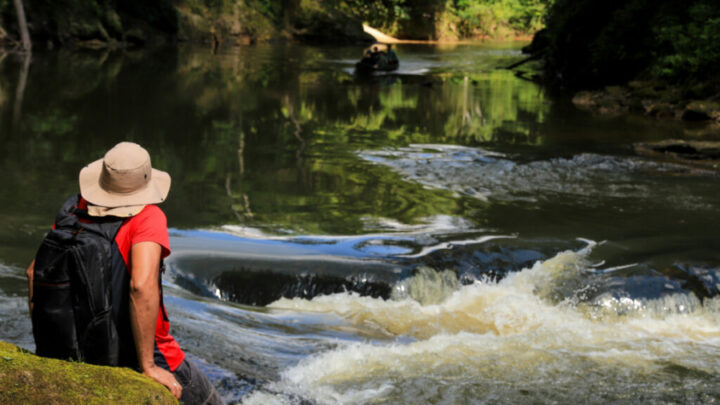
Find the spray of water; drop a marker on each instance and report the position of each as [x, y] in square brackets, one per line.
[511, 340]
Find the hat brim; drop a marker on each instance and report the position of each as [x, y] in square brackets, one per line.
[123, 212]
[154, 192]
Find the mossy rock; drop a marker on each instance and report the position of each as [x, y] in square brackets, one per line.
[701, 110]
[658, 109]
[611, 101]
[585, 99]
[29, 379]
[616, 91]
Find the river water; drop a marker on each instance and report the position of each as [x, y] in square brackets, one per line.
[450, 233]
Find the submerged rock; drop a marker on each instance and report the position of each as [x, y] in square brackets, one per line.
[658, 109]
[610, 101]
[654, 99]
[29, 379]
[703, 153]
[703, 281]
[701, 110]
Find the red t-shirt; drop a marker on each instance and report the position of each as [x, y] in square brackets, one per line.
[150, 225]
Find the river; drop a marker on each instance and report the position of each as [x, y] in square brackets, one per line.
[449, 233]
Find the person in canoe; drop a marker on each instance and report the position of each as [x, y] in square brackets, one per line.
[392, 56]
[378, 57]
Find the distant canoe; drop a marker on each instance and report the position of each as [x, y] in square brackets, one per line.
[366, 66]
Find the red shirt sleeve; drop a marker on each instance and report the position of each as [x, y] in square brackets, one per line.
[150, 225]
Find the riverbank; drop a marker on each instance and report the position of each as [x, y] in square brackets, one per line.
[659, 61]
[29, 379]
[223, 22]
[697, 103]
[698, 106]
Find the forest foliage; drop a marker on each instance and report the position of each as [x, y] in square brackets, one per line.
[63, 20]
[451, 19]
[592, 43]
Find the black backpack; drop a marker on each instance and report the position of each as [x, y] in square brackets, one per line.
[75, 270]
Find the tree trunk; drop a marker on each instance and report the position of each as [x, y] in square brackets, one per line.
[22, 23]
[526, 60]
[20, 92]
[289, 9]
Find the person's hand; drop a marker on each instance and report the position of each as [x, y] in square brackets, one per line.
[165, 378]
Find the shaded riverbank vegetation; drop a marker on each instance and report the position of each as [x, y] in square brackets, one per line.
[593, 43]
[663, 55]
[100, 23]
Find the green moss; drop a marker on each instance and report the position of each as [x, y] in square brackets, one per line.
[26, 378]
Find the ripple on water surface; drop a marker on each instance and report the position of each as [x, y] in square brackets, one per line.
[585, 178]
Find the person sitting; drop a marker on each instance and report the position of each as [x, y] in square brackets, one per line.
[391, 56]
[119, 192]
[374, 54]
[381, 60]
[367, 55]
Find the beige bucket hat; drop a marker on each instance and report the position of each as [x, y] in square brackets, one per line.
[123, 182]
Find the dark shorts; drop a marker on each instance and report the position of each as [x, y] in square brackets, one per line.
[196, 389]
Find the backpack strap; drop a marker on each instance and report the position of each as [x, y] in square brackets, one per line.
[162, 299]
[72, 217]
[64, 218]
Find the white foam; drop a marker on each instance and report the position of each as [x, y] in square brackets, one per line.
[510, 331]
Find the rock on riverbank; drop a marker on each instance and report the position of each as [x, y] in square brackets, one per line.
[700, 154]
[29, 379]
[653, 99]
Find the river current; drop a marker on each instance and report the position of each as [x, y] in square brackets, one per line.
[449, 233]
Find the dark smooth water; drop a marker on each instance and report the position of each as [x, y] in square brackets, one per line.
[447, 233]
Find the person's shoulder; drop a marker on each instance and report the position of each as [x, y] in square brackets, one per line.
[151, 213]
[152, 209]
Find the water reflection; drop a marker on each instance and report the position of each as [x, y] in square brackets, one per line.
[259, 135]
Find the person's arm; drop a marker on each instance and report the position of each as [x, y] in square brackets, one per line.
[144, 307]
[30, 273]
